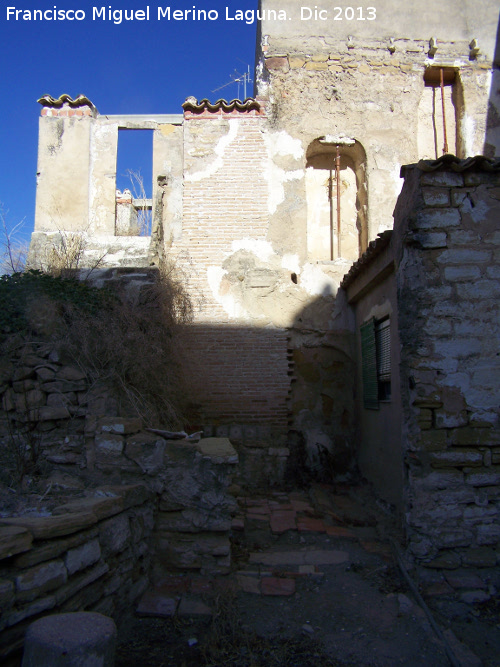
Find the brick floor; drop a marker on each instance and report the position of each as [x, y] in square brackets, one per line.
[309, 524]
[277, 586]
[282, 520]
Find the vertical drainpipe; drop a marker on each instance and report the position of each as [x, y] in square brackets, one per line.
[337, 169]
[445, 147]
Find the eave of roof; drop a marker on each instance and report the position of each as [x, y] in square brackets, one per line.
[374, 249]
[453, 163]
[80, 101]
[191, 104]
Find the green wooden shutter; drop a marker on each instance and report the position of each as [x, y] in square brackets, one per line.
[369, 365]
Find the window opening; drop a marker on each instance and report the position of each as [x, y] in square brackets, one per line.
[440, 113]
[134, 183]
[336, 199]
[376, 362]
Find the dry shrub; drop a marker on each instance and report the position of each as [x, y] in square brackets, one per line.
[134, 345]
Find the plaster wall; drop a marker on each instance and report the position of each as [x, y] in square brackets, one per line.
[447, 285]
[63, 171]
[364, 79]
[379, 452]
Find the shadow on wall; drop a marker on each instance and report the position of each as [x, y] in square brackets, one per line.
[279, 388]
[492, 138]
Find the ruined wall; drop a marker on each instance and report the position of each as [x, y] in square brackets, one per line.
[448, 289]
[350, 76]
[76, 187]
[371, 293]
[92, 553]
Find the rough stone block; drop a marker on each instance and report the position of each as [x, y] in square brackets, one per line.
[281, 521]
[30, 399]
[488, 534]
[6, 593]
[218, 450]
[485, 477]
[462, 273]
[103, 507]
[71, 640]
[33, 609]
[475, 436]
[42, 578]
[70, 373]
[83, 556]
[109, 445]
[296, 62]
[193, 607]
[79, 582]
[277, 586]
[482, 289]
[456, 458]
[442, 178]
[119, 425]
[432, 239]
[436, 196]
[147, 450]
[46, 527]
[437, 218]
[114, 534]
[14, 540]
[463, 256]
[157, 604]
[277, 64]
[53, 549]
[131, 494]
[480, 557]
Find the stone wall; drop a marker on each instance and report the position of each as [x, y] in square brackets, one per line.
[448, 289]
[92, 553]
[107, 506]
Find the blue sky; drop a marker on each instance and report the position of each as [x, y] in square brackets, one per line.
[127, 68]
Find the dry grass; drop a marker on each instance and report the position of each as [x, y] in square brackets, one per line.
[135, 347]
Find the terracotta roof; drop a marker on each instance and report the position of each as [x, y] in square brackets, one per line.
[192, 104]
[374, 248]
[80, 101]
[453, 163]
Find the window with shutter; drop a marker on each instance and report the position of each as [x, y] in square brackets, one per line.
[369, 365]
[376, 362]
[383, 345]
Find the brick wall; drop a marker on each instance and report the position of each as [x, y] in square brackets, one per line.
[240, 368]
[448, 290]
[240, 374]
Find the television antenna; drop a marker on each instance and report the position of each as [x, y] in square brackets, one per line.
[240, 79]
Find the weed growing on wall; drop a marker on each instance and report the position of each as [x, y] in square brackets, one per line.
[134, 345]
[123, 340]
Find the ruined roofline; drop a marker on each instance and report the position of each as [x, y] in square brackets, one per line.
[52, 102]
[452, 163]
[374, 249]
[195, 106]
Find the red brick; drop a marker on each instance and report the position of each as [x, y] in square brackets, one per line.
[308, 524]
[281, 521]
[277, 586]
[339, 531]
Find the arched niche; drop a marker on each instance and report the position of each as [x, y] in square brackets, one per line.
[442, 88]
[321, 191]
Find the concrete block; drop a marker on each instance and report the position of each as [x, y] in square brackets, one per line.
[71, 640]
